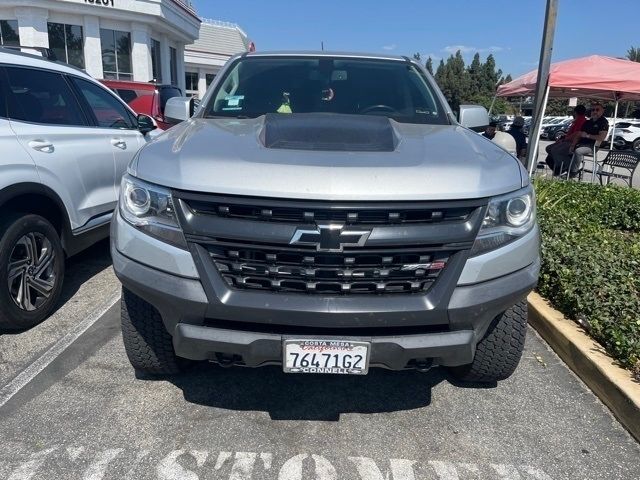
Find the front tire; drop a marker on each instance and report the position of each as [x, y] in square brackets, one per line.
[31, 270]
[146, 340]
[500, 350]
[636, 145]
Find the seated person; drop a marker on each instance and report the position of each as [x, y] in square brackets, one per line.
[503, 139]
[558, 152]
[490, 131]
[518, 135]
[593, 131]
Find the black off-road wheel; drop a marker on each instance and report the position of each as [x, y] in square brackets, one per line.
[31, 270]
[500, 350]
[148, 344]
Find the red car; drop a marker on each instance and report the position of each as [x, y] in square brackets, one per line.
[147, 98]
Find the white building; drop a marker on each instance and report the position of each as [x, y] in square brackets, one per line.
[203, 58]
[125, 39]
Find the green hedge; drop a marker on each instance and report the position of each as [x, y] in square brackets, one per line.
[591, 261]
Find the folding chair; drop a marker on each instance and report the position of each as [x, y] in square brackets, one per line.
[624, 159]
[581, 169]
[542, 169]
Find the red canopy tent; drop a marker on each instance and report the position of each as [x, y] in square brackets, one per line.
[595, 76]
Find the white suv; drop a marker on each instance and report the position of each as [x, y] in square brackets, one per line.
[66, 141]
[627, 135]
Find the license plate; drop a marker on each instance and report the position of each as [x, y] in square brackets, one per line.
[326, 356]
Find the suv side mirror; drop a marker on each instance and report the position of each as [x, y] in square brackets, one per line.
[146, 123]
[474, 117]
[178, 109]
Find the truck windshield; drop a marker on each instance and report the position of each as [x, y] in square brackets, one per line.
[255, 86]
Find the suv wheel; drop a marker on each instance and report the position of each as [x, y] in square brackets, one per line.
[31, 270]
[146, 340]
[636, 145]
[559, 135]
[499, 351]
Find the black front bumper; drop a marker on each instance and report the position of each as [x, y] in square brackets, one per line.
[247, 327]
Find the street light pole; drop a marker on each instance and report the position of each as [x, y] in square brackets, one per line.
[542, 85]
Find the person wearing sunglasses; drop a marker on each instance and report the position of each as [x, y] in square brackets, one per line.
[594, 130]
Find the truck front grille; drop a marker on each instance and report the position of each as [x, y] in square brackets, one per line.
[281, 269]
[351, 214]
[330, 248]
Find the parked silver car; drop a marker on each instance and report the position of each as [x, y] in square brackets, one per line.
[66, 141]
[326, 213]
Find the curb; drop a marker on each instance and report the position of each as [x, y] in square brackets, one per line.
[614, 385]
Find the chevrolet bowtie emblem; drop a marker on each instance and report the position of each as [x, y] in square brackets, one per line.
[330, 238]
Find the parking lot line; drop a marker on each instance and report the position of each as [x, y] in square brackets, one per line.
[23, 378]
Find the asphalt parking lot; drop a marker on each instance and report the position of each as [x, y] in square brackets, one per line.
[71, 407]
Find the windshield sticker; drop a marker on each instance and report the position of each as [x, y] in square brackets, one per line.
[234, 100]
[231, 108]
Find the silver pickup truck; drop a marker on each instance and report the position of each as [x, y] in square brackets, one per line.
[327, 213]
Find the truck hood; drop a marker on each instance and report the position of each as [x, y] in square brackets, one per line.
[229, 156]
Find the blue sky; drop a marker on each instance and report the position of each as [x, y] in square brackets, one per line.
[510, 29]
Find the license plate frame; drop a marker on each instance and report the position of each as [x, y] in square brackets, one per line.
[321, 364]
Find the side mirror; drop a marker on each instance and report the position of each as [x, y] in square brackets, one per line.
[146, 123]
[473, 117]
[178, 109]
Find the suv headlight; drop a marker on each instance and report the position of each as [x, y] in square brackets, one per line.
[150, 208]
[508, 218]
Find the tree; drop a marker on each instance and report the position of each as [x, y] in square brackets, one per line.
[475, 83]
[453, 79]
[429, 65]
[440, 72]
[633, 54]
[490, 76]
[475, 76]
[558, 106]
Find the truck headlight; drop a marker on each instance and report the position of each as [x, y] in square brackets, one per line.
[149, 208]
[508, 218]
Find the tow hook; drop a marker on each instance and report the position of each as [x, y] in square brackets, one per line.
[423, 365]
[225, 361]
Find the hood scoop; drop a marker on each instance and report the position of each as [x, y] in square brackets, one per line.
[328, 132]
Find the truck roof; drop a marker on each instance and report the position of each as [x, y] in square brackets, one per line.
[328, 54]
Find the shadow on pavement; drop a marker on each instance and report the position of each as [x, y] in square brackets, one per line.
[307, 397]
[82, 267]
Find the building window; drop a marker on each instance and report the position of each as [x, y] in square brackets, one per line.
[210, 77]
[116, 54]
[191, 82]
[156, 61]
[67, 43]
[173, 62]
[9, 33]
